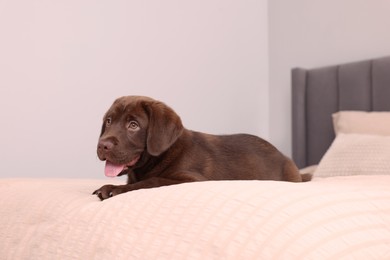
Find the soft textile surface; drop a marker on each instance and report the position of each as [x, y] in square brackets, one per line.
[356, 154]
[361, 122]
[309, 169]
[332, 218]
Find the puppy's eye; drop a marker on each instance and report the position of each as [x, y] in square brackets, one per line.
[108, 121]
[133, 125]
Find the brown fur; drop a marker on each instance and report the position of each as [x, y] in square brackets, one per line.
[170, 154]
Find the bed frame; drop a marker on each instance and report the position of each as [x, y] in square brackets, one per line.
[317, 93]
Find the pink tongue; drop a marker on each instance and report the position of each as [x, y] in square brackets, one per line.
[112, 170]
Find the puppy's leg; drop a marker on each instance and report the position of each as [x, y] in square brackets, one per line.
[291, 172]
[108, 191]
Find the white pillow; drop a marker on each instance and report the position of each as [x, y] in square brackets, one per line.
[356, 154]
[361, 122]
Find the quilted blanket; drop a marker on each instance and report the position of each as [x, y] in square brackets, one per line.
[333, 218]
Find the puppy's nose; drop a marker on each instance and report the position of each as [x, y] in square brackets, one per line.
[105, 145]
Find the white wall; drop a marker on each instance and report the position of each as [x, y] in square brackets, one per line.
[63, 62]
[309, 33]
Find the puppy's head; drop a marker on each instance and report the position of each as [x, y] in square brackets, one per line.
[133, 127]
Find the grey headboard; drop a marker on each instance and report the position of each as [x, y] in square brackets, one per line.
[317, 93]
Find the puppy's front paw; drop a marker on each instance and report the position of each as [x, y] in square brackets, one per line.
[108, 191]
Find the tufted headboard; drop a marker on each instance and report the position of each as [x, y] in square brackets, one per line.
[319, 92]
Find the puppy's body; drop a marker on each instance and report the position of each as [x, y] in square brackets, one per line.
[145, 139]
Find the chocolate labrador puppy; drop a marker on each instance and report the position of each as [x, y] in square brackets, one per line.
[145, 139]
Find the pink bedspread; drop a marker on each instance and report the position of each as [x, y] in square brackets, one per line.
[334, 218]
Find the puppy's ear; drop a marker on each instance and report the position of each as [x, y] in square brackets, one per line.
[164, 128]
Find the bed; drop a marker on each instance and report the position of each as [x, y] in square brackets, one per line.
[318, 93]
[343, 213]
